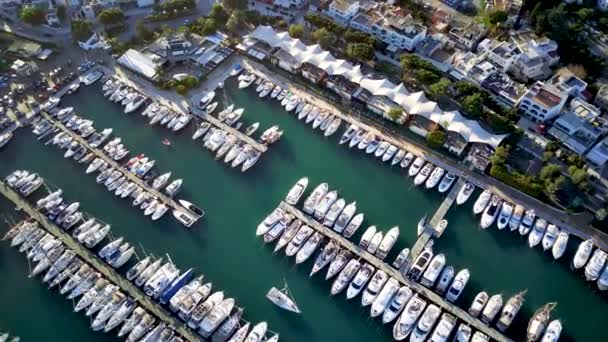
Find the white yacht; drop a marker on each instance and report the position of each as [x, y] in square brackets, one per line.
[479, 302]
[315, 197]
[353, 225]
[288, 235]
[420, 264]
[334, 210]
[405, 162]
[432, 272]
[374, 243]
[482, 202]
[408, 318]
[345, 216]
[374, 287]
[345, 276]
[389, 290]
[518, 214]
[398, 157]
[296, 192]
[595, 265]
[338, 263]
[396, 304]
[373, 145]
[416, 166]
[446, 182]
[458, 285]
[357, 138]
[270, 221]
[582, 254]
[444, 328]
[527, 222]
[328, 253]
[434, 178]
[553, 331]
[323, 207]
[559, 247]
[510, 310]
[359, 281]
[298, 241]
[550, 236]
[257, 333]
[505, 215]
[463, 334]
[537, 233]
[390, 153]
[348, 134]
[309, 247]
[401, 257]
[445, 279]
[465, 193]
[422, 176]
[387, 243]
[490, 212]
[215, 317]
[382, 148]
[491, 309]
[425, 324]
[283, 299]
[367, 237]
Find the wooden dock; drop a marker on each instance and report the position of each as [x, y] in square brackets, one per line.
[379, 264]
[107, 271]
[429, 231]
[240, 135]
[99, 153]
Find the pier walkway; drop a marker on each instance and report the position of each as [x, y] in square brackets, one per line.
[429, 230]
[379, 264]
[107, 271]
[240, 135]
[99, 153]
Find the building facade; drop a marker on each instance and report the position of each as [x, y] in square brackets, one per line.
[542, 102]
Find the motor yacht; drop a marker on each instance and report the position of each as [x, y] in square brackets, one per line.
[416, 166]
[345, 216]
[550, 236]
[373, 288]
[408, 318]
[559, 247]
[345, 276]
[458, 285]
[359, 281]
[537, 233]
[398, 157]
[367, 237]
[426, 323]
[328, 253]
[309, 247]
[595, 265]
[434, 178]
[387, 293]
[490, 212]
[420, 264]
[506, 210]
[432, 272]
[491, 309]
[446, 182]
[527, 222]
[510, 310]
[338, 263]
[518, 214]
[482, 202]
[353, 225]
[445, 279]
[387, 243]
[444, 328]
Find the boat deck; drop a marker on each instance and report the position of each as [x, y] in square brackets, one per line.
[379, 264]
[107, 271]
[99, 153]
[240, 135]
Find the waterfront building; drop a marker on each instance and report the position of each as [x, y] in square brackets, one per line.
[567, 82]
[537, 56]
[140, 64]
[542, 102]
[342, 11]
[467, 37]
[580, 127]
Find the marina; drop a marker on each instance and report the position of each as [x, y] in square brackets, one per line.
[379, 265]
[163, 197]
[163, 286]
[466, 233]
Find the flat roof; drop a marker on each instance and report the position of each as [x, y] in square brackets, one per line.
[139, 63]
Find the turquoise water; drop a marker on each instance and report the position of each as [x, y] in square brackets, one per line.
[224, 247]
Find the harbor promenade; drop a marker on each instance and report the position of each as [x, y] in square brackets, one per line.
[565, 221]
[107, 271]
[379, 264]
[166, 199]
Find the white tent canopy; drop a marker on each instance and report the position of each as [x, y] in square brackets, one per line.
[416, 104]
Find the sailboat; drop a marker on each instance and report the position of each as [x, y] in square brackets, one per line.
[283, 298]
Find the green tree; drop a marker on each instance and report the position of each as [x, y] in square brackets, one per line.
[395, 113]
[218, 13]
[111, 16]
[426, 77]
[232, 5]
[497, 17]
[209, 27]
[360, 51]
[234, 22]
[181, 89]
[32, 15]
[584, 13]
[296, 30]
[550, 171]
[465, 88]
[351, 36]
[436, 138]
[325, 38]
[500, 156]
[143, 32]
[473, 104]
[548, 155]
[578, 176]
[62, 13]
[81, 30]
[440, 87]
[575, 160]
